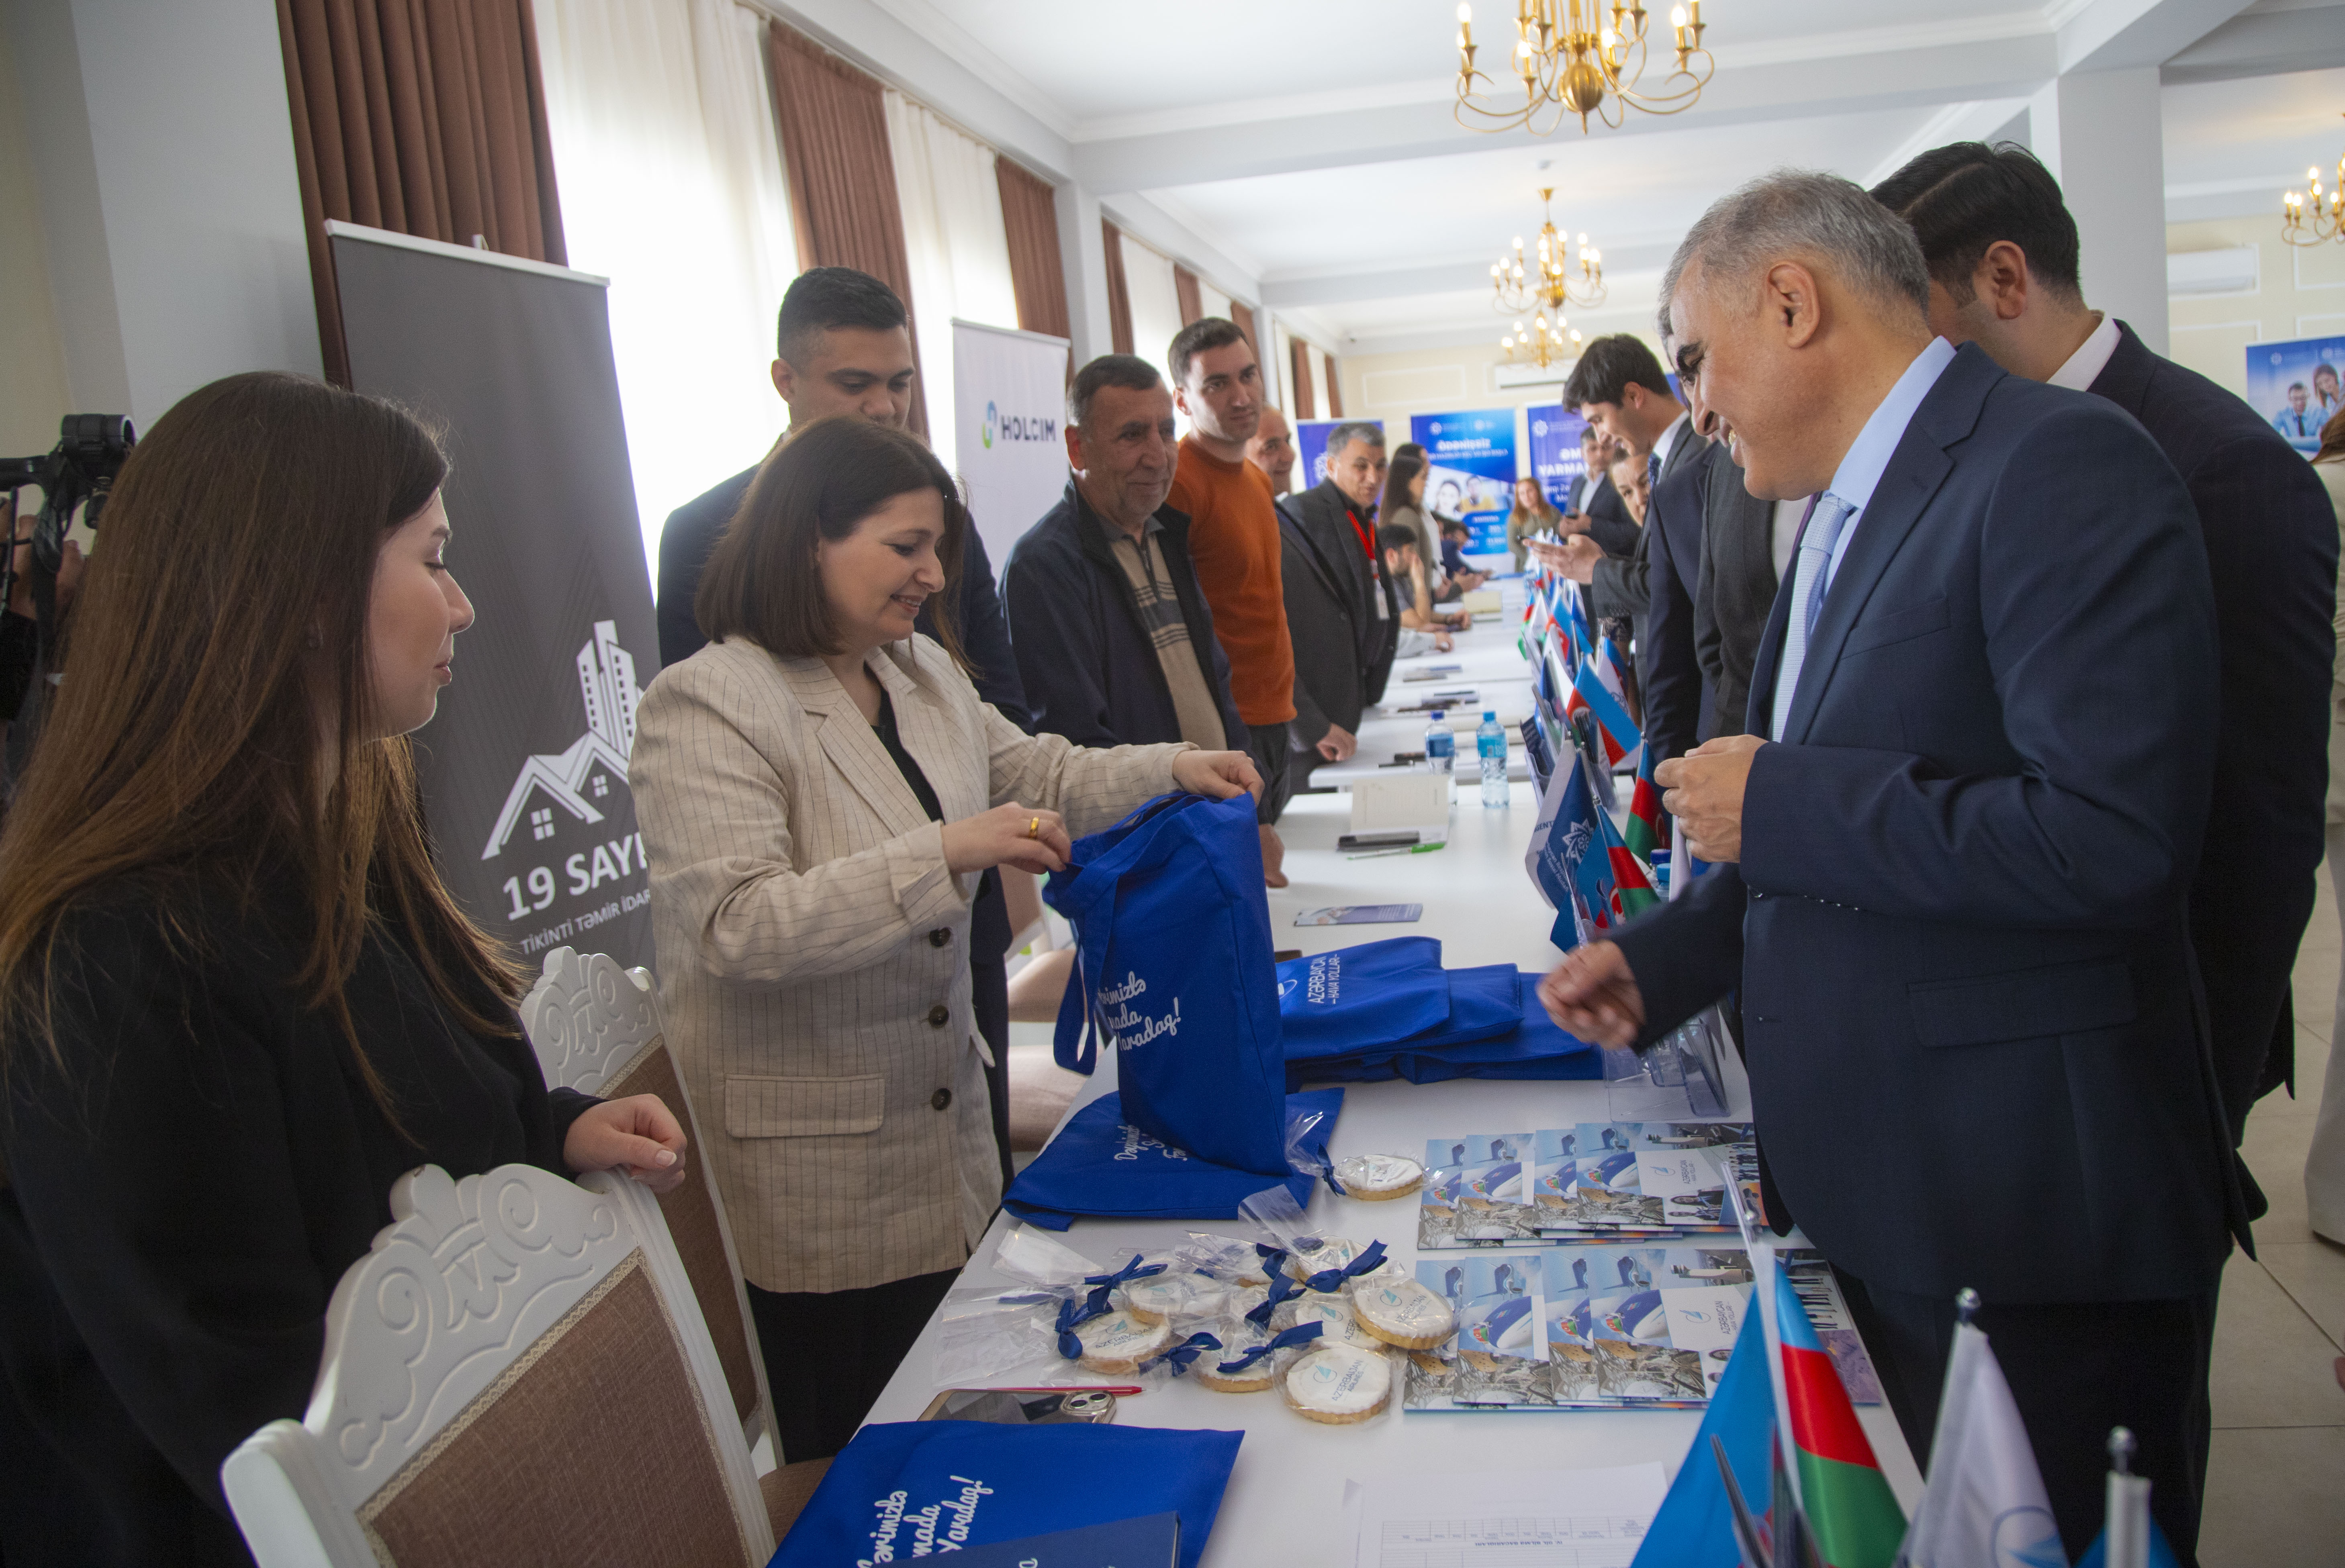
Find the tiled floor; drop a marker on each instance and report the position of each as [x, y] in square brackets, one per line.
[2276, 1483]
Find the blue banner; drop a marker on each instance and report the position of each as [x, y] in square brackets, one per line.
[1555, 449]
[1311, 448]
[1473, 474]
[2294, 386]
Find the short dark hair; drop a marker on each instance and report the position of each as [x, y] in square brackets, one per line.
[1203, 333]
[1343, 435]
[1457, 524]
[1129, 371]
[1610, 365]
[1408, 450]
[828, 297]
[762, 580]
[1963, 198]
[1397, 536]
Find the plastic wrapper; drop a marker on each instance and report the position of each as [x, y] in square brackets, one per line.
[1378, 1178]
[986, 1332]
[1341, 1385]
[1252, 1356]
[1223, 1257]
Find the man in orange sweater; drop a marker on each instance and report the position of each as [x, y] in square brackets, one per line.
[1233, 544]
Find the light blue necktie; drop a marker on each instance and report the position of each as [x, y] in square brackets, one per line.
[1810, 579]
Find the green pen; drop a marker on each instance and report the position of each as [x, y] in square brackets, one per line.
[1412, 849]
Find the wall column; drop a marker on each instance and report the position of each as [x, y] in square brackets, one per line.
[2100, 135]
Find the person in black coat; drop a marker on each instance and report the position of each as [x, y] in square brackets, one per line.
[1341, 609]
[1955, 859]
[1092, 657]
[1676, 694]
[2003, 255]
[239, 1005]
[844, 346]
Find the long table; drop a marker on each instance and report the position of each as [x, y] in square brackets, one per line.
[1284, 1502]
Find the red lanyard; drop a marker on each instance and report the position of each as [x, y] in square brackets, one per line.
[1367, 546]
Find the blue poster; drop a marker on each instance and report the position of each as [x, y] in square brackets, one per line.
[2294, 386]
[1311, 448]
[1555, 449]
[1473, 473]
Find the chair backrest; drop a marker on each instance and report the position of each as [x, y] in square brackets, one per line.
[597, 1029]
[515, 1371]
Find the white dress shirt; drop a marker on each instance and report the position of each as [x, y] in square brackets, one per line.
[2092, 356]
[1668, 442]
[1786, 537]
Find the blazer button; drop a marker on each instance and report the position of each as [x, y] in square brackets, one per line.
[941, 935]
[940, 1099]
[940, 1016]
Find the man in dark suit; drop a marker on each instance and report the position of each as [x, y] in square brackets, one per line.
[1957, 851]
[1341, 611]
[844, 346]
[1594, 506]
[2002, 251]
[1745, 546]
[1679, 696]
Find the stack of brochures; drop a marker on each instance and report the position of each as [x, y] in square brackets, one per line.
[1595, 1181]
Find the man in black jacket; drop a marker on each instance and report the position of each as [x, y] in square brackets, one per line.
[1341, 609]
[2002, 251]
[844, 346]
[1115, 641]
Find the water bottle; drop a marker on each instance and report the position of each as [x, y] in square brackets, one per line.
[1490, 742]
[1440, 746]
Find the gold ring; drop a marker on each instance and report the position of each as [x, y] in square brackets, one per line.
[1034, 828]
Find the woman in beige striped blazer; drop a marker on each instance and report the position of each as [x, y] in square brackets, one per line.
[819, 789]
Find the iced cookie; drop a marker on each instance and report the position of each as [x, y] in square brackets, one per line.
[1159, 1297]
[1375, 1178]
[1338, 1385]
[1403, 1313]
[1333, 1252]
[1251, 1379]
[1342, 1328]
[1119, 1342]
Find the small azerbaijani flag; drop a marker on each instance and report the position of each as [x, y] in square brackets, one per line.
[1646, 833]
[1596, 689]
[1854, 1515]
[1632, 882]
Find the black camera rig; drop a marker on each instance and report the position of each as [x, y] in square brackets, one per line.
[76, 477]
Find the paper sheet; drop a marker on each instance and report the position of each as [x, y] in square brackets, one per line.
[1504, 1519]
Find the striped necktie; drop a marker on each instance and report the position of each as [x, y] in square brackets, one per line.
[1810, 579]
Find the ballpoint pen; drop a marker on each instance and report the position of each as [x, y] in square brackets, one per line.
[1411, 849]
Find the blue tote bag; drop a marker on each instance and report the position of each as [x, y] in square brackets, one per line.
[1099, 1167]
[1174, 969]
[908, 1489]
[1355, 999]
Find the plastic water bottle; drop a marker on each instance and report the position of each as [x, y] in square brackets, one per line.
[1490, 742]
[1440, 746]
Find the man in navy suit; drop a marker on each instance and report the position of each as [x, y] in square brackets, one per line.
[2002, 253]
[1956, 849]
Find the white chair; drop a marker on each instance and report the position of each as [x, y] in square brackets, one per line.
[597, 1028]
[515, 1373]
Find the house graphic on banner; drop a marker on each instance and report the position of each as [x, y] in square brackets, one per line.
[575, 778]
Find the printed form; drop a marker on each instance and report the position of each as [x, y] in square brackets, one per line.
[1505, 1519]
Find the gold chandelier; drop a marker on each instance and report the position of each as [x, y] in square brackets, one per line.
[1570, 61]
[1550, 282]
[2325, 221]
[1543, 343]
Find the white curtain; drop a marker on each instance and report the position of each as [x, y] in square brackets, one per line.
[1156, 303]
[1320, 382]
[1213, 300]
[1281, 368]
[956, 243]
[671, 186]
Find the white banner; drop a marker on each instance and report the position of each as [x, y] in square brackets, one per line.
[1009, 412]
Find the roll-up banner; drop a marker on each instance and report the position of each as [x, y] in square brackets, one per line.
[1473, 473]
[1010, 410]
[525, 771]
[2295, 387]
[1311, 448]
[1556, 459]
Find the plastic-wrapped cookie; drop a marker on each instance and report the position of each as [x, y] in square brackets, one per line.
[1333, 1252]
[1119, 1342]
[1404, 1313]
[1376, 1177]
[1160, 1296]
[1251, 1379]
[1338, 1385]
[1342, 1328]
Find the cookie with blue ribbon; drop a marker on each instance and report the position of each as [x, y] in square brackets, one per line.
[1254, 1367]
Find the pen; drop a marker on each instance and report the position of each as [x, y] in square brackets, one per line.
[1411, 849]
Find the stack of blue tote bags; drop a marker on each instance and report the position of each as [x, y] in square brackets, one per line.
[1389, 1010]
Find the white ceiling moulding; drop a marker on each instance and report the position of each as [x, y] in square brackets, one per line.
[2120, 34]
[2264, 40]
[1141, 217]
[1975, 120]
[1440, 278]
[2233, 269]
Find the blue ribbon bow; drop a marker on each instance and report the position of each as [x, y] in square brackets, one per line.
[1283, 1288]
[1329, 1280]
[1296, 1335]
[1103, 1283]
[1073, 1314]
[1273, 1258]
[1184, 1353]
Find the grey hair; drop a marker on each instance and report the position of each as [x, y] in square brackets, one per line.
[1820, 217]
[1343, 436]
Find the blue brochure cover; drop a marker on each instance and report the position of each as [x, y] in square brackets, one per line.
[1153, 1541]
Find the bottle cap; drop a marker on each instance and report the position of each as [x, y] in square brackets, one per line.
[1440, 713]
[1489, 715]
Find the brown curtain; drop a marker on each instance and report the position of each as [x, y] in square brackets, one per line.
[1119, 293]
[1185, 289]
[421, 116]
[1335, 389]
[1299, 353]
[1030, 212]
[1244, 319]
[842, 178]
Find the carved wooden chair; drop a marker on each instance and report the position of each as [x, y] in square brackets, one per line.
[597, 1029]
[516, 1372]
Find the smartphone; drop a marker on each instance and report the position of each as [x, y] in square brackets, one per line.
[1388, 838]
[1012, 1407]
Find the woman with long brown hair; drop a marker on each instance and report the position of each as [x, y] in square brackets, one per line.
[819, 789]
[236, 1002]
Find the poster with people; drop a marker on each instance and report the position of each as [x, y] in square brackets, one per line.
[1311, 448]
[2294, 385]
[1471, 474]
[1556, 459]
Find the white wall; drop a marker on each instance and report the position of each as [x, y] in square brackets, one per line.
[32, 363]
[163, 151]
[2298, 293]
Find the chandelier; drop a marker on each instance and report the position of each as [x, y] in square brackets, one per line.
[1551, 282]
[1543, 343]
[1572, 61]
[2325, 220]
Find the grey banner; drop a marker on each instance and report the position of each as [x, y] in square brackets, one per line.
[525, 771]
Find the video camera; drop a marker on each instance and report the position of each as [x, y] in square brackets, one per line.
[76, 477]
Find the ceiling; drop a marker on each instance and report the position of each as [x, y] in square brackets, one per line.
[1305, 155]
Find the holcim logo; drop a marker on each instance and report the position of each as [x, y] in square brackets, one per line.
[1017, 426]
